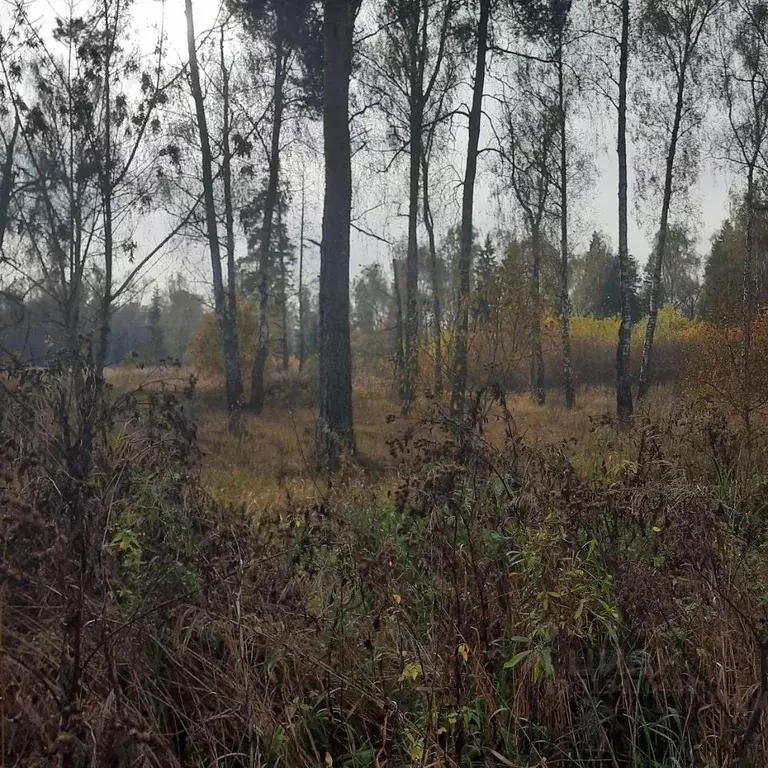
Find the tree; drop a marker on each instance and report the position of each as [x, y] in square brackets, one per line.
[154, 320]
[485, 269]
[372, 305]
[549, 21]
[597, 287]
[226, 318]
[722, 284]
[529, 148]
[671, 32]
[559, 23]
[6, 172]
[459, 384]
[334, 428]
[429, 145]
[290, 29]
[411, 88]
[744, 92]
[285, 261]
[300, 292]
[182, 313]
[623, 389]
[678, 285]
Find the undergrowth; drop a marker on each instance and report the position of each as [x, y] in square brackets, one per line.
[498, 608]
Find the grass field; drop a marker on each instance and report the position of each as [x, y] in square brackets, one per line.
[272, 462]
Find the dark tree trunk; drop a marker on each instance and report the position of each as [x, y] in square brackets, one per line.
[459, 383]
[538, 385]
[416, 126]
[623, 387]
[565, 302]
[399, 335]
[6, 182]
[226, 321]
[301, 279]
[658, 256]
[283, 289]
[334, 427]
[437, 320]
[265, 244]
[105, 314]
[748, 305]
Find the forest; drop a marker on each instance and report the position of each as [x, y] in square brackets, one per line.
[383, 383]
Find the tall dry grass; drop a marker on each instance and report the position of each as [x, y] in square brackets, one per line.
[496, 606]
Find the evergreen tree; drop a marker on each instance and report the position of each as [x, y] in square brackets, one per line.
[597, 281]
[154, 318]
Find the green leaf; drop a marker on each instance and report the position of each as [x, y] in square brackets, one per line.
[411, 671]
[516, 659]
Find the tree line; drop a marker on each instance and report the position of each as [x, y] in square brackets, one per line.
[101, 134]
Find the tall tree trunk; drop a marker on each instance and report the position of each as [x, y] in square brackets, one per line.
[623, 387]
[537, 368]
[658, 256]
[106, 196]
[437, 320]
[6, 182]
[565, 301]
[229, 212]
[265, 245]
[459, 384]
[226, 322]
[748, 305]
[399, 334]
[283, 288]
[334, 427]
[301, 278]
[416, 126]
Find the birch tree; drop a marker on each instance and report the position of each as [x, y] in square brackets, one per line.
[225, 316]
[744, 93]
[481, 37]
[411, 74]
[672, 35]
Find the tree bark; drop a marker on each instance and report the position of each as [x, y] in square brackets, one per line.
[6, 182]
[748, 304]
[658, 256]
[623, 388]
[226, 321]
[416, 126]
[229, 213]
[106, 197]
[437, 320]
[538, 385]
[565, 302]
[459, 383]
[265, 245]
[301, 278]
[283, 289]
[334, 428]
[399, 335]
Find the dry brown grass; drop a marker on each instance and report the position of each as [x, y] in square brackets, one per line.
[272, 462]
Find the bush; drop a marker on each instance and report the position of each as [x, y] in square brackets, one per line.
[205, 348]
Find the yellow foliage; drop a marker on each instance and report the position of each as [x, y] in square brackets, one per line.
[670, 323]
[603, 329]
[205, 348]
